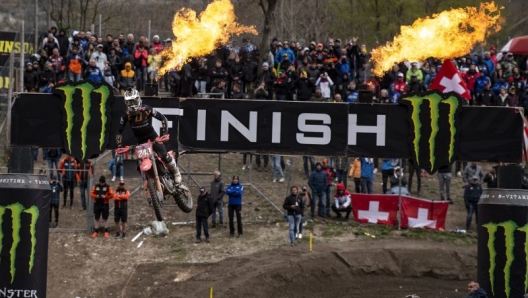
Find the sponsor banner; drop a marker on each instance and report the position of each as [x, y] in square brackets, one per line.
[42, 124]
[503, 242]
[422, 213]
[378, 209]
[303, 128]
[24, 223]
[86, 117]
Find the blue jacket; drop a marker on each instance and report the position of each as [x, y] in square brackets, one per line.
[496, 88]
[387, 164]
[480, 82]
[279, 54]
[318, 181]
[235, 191]
[367, 168]
[352, 97]
[343, 68]
[95, 74]
[490, 64]
[56, 188]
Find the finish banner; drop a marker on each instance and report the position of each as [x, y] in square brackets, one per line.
[432, 129]
[24, 223]
[503, 242]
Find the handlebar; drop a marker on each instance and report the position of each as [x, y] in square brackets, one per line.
[126, 149]
[123, 150]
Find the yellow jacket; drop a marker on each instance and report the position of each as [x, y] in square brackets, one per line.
[355, 169]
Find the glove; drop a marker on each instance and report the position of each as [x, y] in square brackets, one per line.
[119, 139]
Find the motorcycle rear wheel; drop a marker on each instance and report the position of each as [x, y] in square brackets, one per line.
[183, 197]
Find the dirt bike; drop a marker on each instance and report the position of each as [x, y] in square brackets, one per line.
[160, 182]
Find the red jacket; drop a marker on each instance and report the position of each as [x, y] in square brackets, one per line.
[400, 87]
[329, 174]
[141, 55]
[158, 47]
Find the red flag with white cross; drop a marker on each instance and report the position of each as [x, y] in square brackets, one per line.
[421, 213]
[379, 209]
[449, 79]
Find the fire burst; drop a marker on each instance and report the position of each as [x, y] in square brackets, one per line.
[451, 33]
[199, 36]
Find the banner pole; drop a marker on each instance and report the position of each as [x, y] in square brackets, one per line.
[10, 98]
[399, 194]
[22, 62]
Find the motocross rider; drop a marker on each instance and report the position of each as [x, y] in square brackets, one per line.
[140, 118]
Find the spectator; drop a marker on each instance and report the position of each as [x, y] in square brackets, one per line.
[293, 206]
[352, 93]
[89, 51]
[355, 172]
[129, 45]
[56, 189]
[268, 77]
[444, 181]
[281, 86]
[114, 60]
[47, 75]
[120, 210]
[384, 96]
[154, 61]
[471, 170]
[30, 78]
[50, 44]
[68, 166]
[429, 77]
[472, 193]
[279, 56]
[108, 76]
[491, 179]
[305, 88]
[341, 167]
[475, 291]
[396, 189]
[514, 98]
[342, 201]
[53, 156]
[140, 61]
[116, 165]
[219, 90]
[480, 82]
[518, 82]
[393, 94]
[156, 44]
[306, 201]
[94, 73]
[414, 85]
[249, 74]
[508, 64]
[500, 83]
[317, 96]
[330, 175]
[235, 191]
[367, 175]
[276, 168]
[127, 78]
[217, 73]
[259, 163]
[413, 169]
[307, 159]
[201, 76]
[414, 71]
[396, 177]
[237, 93]
[101, 193]
[217, 193]
[261, 92]
[84, 171]
[318, 183]
[47, 89]
[486, 97]
[100, 57]
[74, 63]
[325, 83]
[387, 170]
[205, 207]
[399, 85]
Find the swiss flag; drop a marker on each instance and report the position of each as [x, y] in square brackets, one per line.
[449, 80]
[380, 209]
[421, 213]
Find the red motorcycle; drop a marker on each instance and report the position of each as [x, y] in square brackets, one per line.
[160, 182]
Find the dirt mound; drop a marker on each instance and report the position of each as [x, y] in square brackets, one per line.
[357, 269]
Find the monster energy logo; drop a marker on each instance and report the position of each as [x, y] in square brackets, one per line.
[17, 210]
[441, 110]
[86, 89]
[508, 228]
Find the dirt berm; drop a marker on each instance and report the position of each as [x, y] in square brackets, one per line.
[371, 268]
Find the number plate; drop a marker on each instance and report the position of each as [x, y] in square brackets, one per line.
[144, 151]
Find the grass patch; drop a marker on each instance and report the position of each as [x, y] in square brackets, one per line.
[179, 253]
[333, 230]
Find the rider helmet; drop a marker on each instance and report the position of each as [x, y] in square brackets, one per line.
[132, 100]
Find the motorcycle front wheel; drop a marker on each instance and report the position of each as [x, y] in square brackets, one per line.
[153, 190]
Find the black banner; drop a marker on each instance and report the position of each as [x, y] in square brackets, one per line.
[24, 223]
[37, 120]
[10, 41]
[303, 128]
[503, 242]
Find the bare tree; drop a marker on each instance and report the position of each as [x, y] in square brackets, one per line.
[268, 9]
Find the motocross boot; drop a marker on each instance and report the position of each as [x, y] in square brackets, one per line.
[173, 169]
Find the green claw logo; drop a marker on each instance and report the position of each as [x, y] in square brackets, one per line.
[86, 109]
[434, 127]
[17, 211]
[508, 229]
